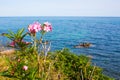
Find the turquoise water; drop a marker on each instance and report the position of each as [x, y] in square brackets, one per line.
[102, 32]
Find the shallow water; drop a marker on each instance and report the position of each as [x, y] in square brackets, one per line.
[102, 32]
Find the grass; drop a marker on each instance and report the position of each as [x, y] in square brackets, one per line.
[3, 64]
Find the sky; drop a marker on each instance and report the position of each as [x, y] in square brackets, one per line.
[60, 8]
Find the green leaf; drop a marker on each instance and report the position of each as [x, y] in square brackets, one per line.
[20, 31]
[8, 36]
[23, 36]
[11, 33]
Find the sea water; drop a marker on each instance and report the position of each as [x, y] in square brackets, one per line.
[102, 32]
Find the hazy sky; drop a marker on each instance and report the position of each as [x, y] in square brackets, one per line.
[59, 7]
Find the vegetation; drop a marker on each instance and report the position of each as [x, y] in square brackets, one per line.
[58, 65]
[33, 61]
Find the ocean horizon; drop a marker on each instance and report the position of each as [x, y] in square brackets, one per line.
[102, 32]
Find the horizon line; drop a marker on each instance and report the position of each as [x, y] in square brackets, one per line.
[59, 16]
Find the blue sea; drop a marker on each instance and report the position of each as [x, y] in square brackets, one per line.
[102, 32]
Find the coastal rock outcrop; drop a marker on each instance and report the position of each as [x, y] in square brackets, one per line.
[83, 45]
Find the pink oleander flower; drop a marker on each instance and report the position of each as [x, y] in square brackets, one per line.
[35, 27]
[47, 27]
[25, 68]
[12, 44]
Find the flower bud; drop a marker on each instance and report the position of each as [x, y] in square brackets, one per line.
[25, 68]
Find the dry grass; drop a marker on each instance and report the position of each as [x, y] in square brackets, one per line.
[4, 78]
[3, 67]
[3, 64]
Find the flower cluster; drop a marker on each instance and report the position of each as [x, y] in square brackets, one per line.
[47, 27]
[33, 29]
[36, 26]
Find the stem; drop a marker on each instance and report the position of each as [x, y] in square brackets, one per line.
[38, 65]
[35, 51]
[38, 56]
[82, 74]
[35, 44]
[40, 40]
[92, 72]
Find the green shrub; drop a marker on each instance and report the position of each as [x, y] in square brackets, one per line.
[78, 67]
[58, 65]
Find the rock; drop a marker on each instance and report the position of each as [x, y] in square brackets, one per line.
[83, 45]
[7, 52]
